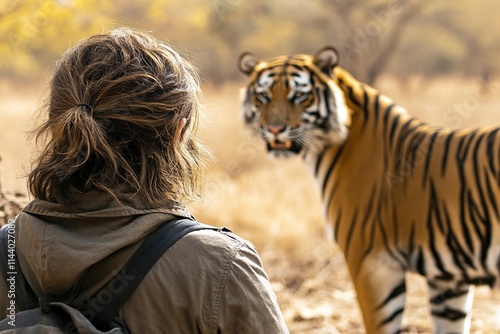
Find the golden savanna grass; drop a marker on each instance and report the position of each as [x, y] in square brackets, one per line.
[274, 203]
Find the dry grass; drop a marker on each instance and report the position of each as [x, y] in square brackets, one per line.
[274, 203]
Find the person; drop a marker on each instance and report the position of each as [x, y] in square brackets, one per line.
[120, 157]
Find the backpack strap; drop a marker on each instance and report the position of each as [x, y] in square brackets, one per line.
[137, 267]
[102, 312]
[11, 270]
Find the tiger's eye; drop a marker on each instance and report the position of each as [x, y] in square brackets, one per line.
[300, 96]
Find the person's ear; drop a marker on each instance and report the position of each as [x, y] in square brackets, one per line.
[179, 134]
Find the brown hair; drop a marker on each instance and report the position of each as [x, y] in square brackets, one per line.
[115, 104]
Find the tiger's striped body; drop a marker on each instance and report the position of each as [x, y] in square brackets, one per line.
[400, 195]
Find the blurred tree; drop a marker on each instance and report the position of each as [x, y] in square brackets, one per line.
[373, 36]
[372, 32]
[452, 37]
[33, 33]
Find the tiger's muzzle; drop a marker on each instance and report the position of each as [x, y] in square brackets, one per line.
[278, 140]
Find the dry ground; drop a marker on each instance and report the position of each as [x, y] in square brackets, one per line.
[274, 204]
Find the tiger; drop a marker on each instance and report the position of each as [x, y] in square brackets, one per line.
[399, 195]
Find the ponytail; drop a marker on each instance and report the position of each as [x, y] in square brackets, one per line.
[76, 151]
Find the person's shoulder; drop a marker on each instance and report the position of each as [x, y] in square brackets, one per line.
[221, 240]
[210, 252]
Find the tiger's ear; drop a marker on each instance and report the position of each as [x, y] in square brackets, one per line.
[247, 62]
[326, 59]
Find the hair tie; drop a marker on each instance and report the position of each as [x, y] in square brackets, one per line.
[88, 107]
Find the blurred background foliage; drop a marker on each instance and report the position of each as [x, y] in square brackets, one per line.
[401, 37]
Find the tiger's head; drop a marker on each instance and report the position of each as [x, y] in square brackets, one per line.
[293, 101]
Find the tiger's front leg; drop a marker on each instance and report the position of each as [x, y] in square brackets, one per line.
[381, 292]
[451, 309]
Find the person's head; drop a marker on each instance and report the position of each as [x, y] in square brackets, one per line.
[122, 112]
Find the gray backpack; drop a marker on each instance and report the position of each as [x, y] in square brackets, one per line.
[29, 313]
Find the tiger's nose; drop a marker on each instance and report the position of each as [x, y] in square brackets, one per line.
[275, 129]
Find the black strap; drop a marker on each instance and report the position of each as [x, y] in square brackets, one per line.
[124, 283]
[155, 245]
[9, 265]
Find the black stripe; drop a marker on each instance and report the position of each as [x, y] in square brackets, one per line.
[369, 210]
[326, 93]
[352, 226]
[428, 157]
[405, 131]
[486, 219]
[415, 142]
[386, 118]
[460, 157]
[446, 295]
[420, 262]
[395, 232]
[376, 108]
[446, 152]
[397, 291]
[332, 193]
[490, 149]
[352, 98]
[297, 67]
[391, 317]
[337, 224]
[434, 211]
[411, 242]
[475, 153]
[273, 67]
[435, 206]
[364, 223]
[474, 215]
[318, 162]
[491, 196]
[330, 169]
[463, 220]
[464, 146]
[312, 81]
[395, 122]
[483, 235]
[450, 314]
[388, 245]
[365, 103]
[455, 250]
[458, 253]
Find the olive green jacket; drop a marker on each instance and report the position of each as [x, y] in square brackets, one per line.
[208, 282]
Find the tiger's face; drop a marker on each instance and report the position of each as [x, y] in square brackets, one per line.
[293, 103]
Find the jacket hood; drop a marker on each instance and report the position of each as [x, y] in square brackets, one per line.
[57, 244]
